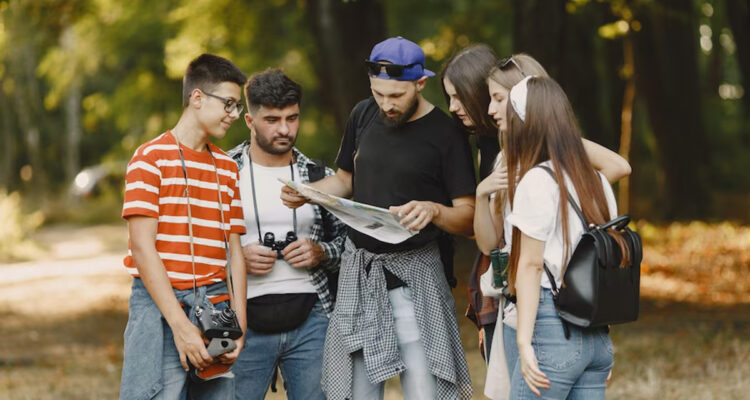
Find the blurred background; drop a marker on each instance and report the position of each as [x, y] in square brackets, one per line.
[83, 82]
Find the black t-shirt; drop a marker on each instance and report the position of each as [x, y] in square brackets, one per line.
[426, 159]
[488, 147]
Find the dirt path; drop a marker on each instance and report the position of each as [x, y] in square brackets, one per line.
[77, 268]
[63, 315]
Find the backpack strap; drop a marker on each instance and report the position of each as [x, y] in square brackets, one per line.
[551, 277]
[555, 292]
[570, 199]
[316, 171]
[608, 253]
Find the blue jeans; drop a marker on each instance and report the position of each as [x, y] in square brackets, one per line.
[299, 354]
[577, 368]
[151, 367]
[178, 386]
[510, 347]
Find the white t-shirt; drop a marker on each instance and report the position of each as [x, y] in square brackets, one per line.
[536, 213]
[277, 218]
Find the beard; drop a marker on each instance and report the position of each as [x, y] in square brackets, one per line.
[268, 145]
[401, 119]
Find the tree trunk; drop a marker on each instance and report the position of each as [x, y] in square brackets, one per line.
[22, 63]
[585, 84]
[71, 148]
[344, 32]
[714, 60]
[27, 110]
[72, 154]
[738, 12]
[8, 153]
[565, 44]
[626, 130]
[667, 76]
[540, 31]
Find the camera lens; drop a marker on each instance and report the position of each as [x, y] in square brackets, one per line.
[226, 317]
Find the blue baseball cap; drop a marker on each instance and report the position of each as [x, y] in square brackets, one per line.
[406, 56]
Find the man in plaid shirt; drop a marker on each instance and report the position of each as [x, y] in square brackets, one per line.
[290, 255]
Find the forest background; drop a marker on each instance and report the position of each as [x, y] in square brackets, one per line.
[84, 82]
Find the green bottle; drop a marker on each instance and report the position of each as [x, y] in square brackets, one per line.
[499, 261]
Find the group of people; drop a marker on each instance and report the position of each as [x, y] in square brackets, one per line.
[336, 311]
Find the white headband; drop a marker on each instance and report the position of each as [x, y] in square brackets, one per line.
[518, 95]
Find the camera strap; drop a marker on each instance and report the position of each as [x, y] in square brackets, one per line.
[228, 268]
[255, 200]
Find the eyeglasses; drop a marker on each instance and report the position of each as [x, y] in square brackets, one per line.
[229, 104]
[392, 70]
[509, 60]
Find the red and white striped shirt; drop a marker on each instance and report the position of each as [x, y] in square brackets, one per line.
[155, 187]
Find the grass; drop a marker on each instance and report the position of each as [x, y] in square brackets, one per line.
[66, 351]
[62, 334]
[681, 351]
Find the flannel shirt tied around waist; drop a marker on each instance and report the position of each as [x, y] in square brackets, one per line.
[363, 320]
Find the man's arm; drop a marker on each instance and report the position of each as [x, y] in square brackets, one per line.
[338, 184]
[457, 219]
[187, 337]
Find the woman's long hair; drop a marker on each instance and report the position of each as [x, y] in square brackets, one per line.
[467, 71]
[551, 132]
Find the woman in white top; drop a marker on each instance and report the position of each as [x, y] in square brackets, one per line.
[541, 130]
[488, 223]
[464, 81]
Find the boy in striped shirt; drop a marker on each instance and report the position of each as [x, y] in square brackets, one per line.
[184, 216]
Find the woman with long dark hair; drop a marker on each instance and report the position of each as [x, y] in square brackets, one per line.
[464, 79]
[541, 130]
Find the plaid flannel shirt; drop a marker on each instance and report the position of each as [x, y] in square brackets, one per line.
[327, 230]
[363, 320]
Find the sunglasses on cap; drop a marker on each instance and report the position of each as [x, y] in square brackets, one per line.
[508, 61]
[392, 70]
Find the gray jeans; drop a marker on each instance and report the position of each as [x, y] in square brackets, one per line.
[416, 382]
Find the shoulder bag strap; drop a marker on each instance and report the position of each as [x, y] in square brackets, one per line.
[570, 199]
[580, 216]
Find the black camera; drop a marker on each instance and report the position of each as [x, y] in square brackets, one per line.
[269, 240]
[221, 327]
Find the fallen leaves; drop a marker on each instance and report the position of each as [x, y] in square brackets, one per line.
[696, 262]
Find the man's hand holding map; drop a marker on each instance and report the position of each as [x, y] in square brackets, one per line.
[374, 221]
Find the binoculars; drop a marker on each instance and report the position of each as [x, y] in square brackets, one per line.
[269, 240]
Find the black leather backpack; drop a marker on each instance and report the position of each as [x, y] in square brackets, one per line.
[596, 291]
